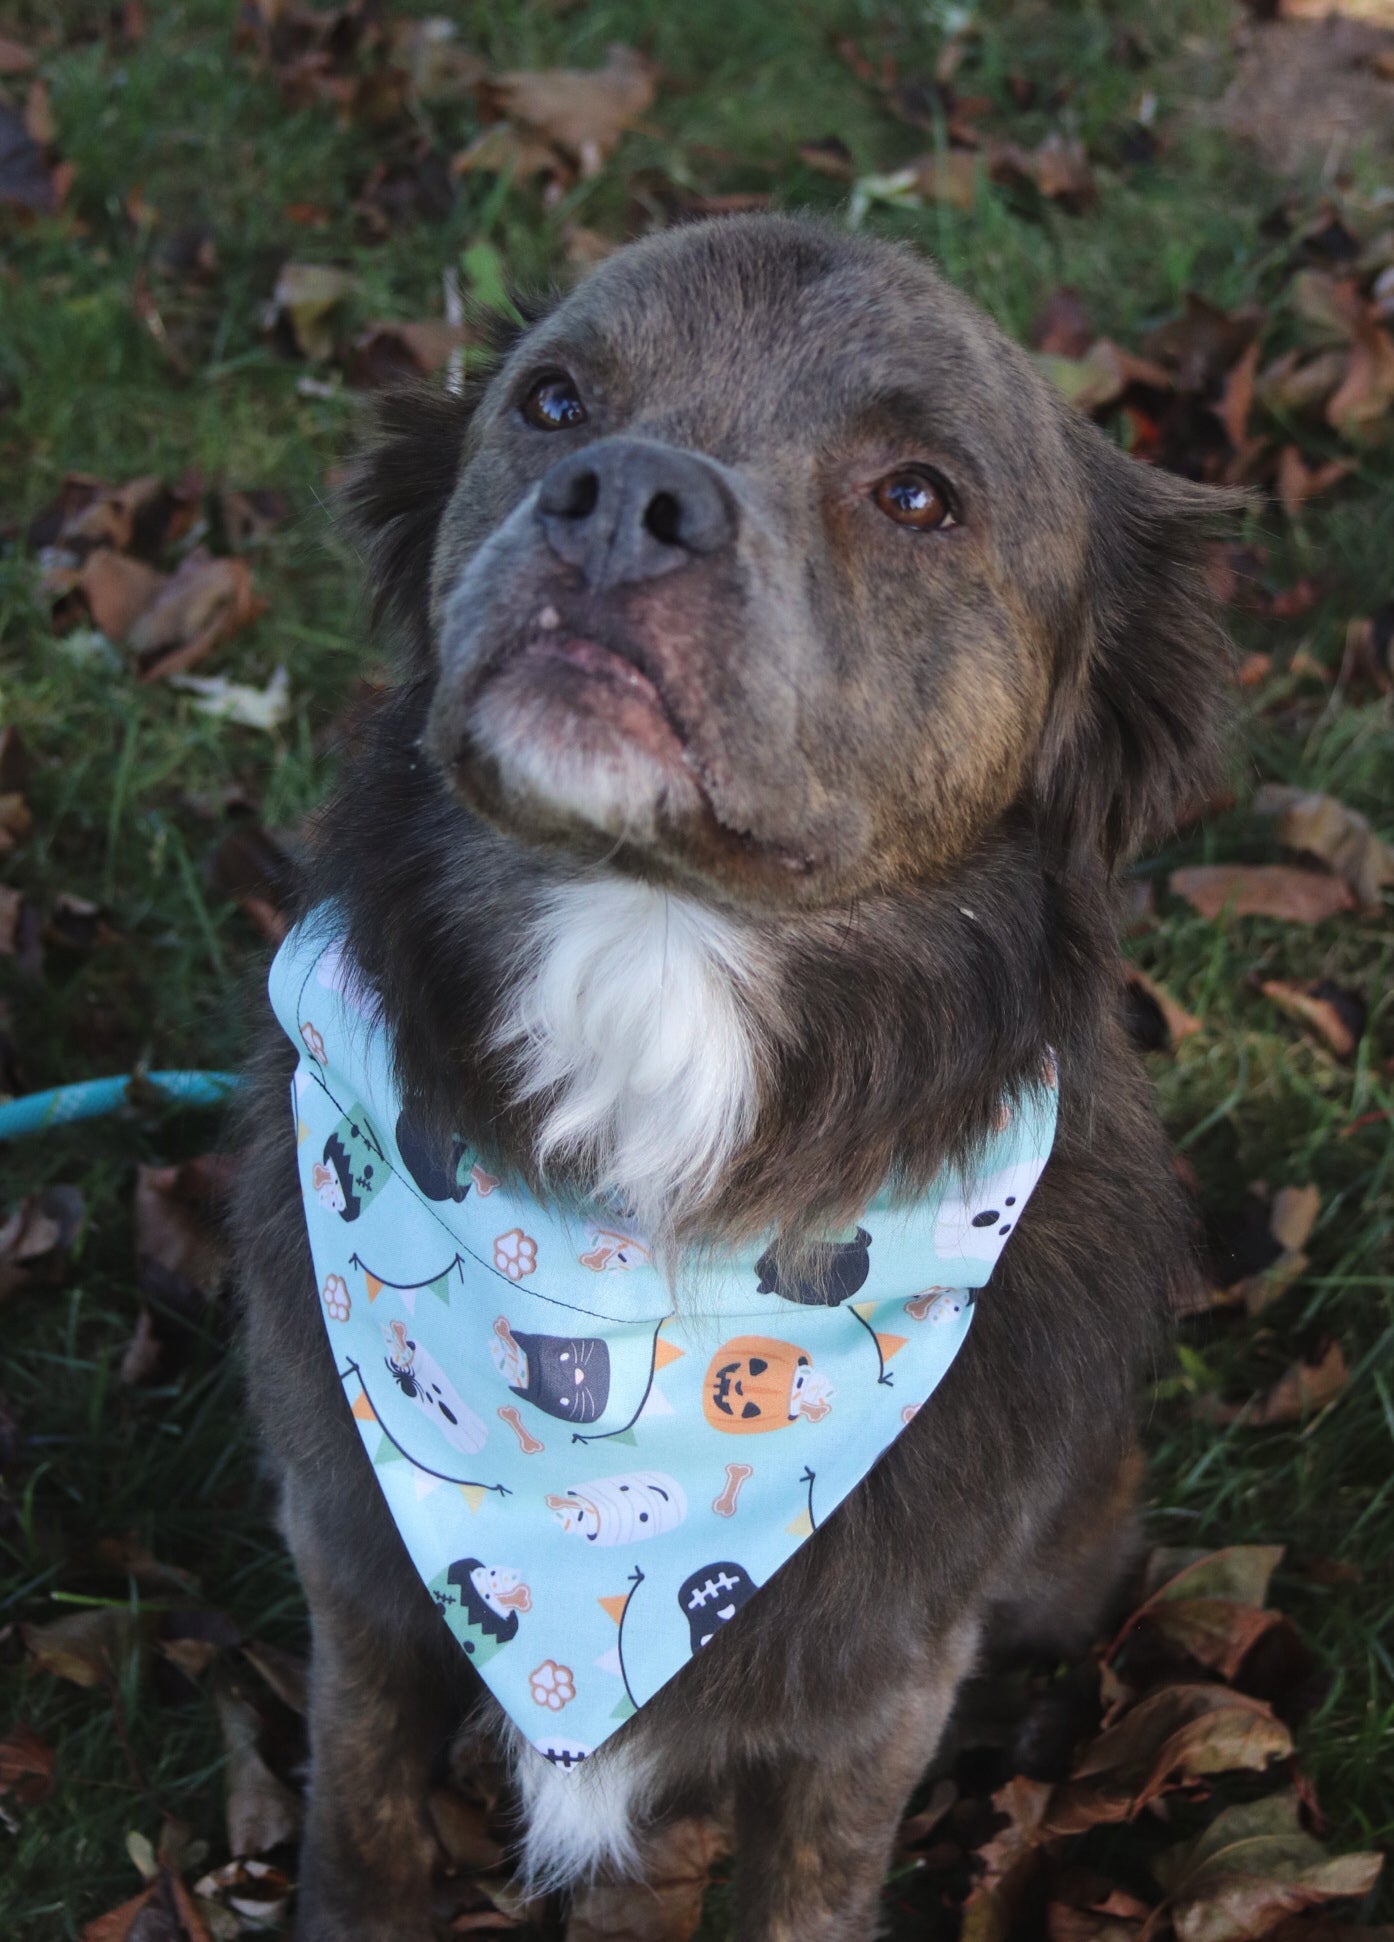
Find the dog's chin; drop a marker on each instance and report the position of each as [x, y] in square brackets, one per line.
[564, 743]
[568, 743]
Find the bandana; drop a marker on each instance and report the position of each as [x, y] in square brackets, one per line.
[591, 1475]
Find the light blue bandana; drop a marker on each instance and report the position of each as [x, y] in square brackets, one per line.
[590, 1483]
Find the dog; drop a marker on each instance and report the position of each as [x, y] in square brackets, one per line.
[785, 673]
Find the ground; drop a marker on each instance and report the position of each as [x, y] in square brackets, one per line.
[133, 341]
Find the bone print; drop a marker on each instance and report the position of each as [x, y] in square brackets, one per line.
[527, 1442]
[736, 1474]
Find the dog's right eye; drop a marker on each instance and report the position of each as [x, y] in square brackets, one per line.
[554, 404]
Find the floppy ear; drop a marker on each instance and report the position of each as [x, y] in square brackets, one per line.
[1137, 729]
[400, 484]
[392, 501]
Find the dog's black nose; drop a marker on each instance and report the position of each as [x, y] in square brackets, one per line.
[628, 509]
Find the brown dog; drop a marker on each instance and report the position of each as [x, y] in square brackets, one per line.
[786, 670]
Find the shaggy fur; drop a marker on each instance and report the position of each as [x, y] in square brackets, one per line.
[841, 874]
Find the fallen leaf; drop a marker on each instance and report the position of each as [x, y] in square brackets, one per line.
[1211, 1611]
[1236, 399]
[950, 177]
[39, 1233]
[505, 150]
[1253, 1866]
[1063, 173]
[829, 156]
[1297, 482]
[307, 300]
[251, 1889]
[27, 183]
[1323, 827]
[117, 590]
[1304, 1388]
[1262, 890]
[262, 1811]
[1172, 1737]
[1102, 375]
[1204, 342]
[1336, 1015]
[265, 708]
[164, 1912]
[582, 113]
[1062, 328]
[200, 606]
[248, 518]
[26, 1763]
[253, 869]
[392, 353]
[89, 1647]
[14, 57]
[284, 1673]
[1366, 393]
[1155, 1021]
[667, 1905]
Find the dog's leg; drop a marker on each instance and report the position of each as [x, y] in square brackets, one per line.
[1067, 1588]
[379, 1711]
[816, 1837]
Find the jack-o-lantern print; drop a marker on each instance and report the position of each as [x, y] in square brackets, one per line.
[755, 1383]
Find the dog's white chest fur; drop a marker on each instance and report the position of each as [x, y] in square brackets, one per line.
[630, 1015]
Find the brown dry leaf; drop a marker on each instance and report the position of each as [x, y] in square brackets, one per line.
[118, 590]
[164, 1912]
[39, 1233]
[252, 1890]
[829, 156]
[284, 1673]
[201, 605]
[1212, 1610]
[181, 1249]
[1237, 398]
[88, 1647]
[307, 299]
[29, 186]
[506, 150]
[26, 1767]
[392, 353]
[1063, 327]
[1102, 375]
[1337, 1016]
[262, 1812]
[14, 57]
[667, 1907]
[1262, 890]
[1289, 1222]
[1252, 1867]
[1305, 1388]
[1204, 342]
[1173, 1021]
[142, 516]
[1297, 482]
[1339, 837]
[1063, 173]
[583, 113]
[1172, 1737]
[951, 178]
[1366, 394]
[1295, 382]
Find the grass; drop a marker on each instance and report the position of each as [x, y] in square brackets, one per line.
[129, 783]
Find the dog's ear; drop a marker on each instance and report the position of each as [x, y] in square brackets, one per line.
[399, 485]
[1137, 729]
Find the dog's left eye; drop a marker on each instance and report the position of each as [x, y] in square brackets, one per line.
[915, 497]
[554, 404]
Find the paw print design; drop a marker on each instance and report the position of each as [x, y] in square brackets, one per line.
[515, 1254]
[335, 1296]
[314, 1042]
[553, 1686]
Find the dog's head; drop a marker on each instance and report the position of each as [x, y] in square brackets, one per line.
[764, 562]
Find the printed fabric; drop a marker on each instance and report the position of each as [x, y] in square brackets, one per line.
[592, 1474]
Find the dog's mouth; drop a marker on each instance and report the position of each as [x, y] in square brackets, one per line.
[598, 681]
[565, 726]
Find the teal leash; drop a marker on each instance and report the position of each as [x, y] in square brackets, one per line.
[40, 1112]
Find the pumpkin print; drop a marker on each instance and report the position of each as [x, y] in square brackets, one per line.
[755, 1383]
